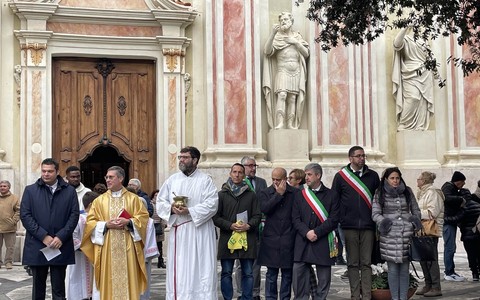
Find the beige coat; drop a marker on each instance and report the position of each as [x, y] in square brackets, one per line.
[9, 213]
[431, 203]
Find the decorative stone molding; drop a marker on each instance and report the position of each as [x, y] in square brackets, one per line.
[169, 4]
[172, 57]
[17, 75]
[36, 52]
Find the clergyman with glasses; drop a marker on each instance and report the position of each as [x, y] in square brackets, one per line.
[356, 184]
[192, 263]
[113, 240]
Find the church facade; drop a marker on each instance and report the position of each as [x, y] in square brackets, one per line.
[96, 83]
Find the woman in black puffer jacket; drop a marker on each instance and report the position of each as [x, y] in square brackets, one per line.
[471, 239]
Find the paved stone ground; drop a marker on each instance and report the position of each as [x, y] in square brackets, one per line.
[15, 284]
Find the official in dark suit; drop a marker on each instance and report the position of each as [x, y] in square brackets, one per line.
[276, 247]
[315, 215]
[49, 213]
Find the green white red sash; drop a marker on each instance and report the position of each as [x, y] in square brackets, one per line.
[322, 214]
[357, 185]
[249, 183]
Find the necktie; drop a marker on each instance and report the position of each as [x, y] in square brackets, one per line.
[52, 189]
[252, 180]
[357, 173]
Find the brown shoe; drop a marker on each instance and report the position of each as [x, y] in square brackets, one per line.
[8, 265]
[433, 293]
[423, 290]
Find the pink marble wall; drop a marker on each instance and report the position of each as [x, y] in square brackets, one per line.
[471, 92]
[104, 30]
[36, 128]
[214, 75]
[172, 120]
[234, 63]
[107, 4]
[339, 97]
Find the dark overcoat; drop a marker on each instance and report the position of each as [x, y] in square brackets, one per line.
[229, 206]
[278, 237]
[305, 219]
[43, 213]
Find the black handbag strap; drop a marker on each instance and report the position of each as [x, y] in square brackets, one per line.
[415, 270]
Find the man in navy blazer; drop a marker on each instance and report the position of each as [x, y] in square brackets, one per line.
[49, 212]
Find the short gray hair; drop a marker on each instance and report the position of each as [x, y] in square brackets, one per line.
[136, 182]
[6, 182]
[247, 158]
[316, 168]
[119, 170]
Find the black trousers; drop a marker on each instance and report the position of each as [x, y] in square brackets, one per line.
[57, 280]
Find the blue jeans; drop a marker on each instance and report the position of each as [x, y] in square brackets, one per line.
[271, 288]
[450, 246]
[398, 280]
[226, 284]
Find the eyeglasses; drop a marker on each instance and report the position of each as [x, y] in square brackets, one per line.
[183, 157]
[251, 165]
[359, 156]
[109, 177]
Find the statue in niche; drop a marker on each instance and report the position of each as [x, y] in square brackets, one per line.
[285, 74]
[412, 83]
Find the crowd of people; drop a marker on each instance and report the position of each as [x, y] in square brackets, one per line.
[100, 244]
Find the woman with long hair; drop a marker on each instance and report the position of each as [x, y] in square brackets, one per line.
[395, 210]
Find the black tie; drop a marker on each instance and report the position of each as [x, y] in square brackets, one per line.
[252, 181]
[357, 173]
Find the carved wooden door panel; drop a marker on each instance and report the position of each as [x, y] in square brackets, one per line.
[105, 103]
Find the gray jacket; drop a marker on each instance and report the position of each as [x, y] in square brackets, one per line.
[396, 215]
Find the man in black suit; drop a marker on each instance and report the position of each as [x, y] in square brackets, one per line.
[315, 216]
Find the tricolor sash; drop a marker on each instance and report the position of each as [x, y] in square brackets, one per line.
[357, 185]
[322, 214]
[249, 183]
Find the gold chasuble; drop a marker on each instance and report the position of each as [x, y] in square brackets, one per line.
[119, 264]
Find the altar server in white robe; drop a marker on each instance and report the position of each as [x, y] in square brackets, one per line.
[191, 264]
[80, 275]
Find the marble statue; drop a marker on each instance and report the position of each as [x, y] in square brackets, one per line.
[412, 83]
[285, 74]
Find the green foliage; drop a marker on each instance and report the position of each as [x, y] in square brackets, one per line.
[361, 21]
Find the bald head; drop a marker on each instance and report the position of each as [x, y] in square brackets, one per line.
[279, 173]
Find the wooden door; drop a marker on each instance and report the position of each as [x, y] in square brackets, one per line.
[105, 103]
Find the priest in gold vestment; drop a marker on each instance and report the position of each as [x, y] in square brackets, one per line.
[113, 242]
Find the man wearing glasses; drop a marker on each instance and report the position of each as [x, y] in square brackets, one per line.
[256, 184]
[356, 184]
[192, 264]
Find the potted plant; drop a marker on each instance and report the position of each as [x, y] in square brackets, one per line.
[380, 288]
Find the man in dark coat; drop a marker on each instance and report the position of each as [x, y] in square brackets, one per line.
[454, 210]
[276, 246]
[356, 184]
[49, 212]
[235, 201]
[257, 184]
[315, 217]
